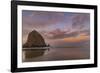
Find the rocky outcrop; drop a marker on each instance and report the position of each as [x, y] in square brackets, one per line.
[34, 40]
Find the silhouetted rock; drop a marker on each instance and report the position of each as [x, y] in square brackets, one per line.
[34, 40]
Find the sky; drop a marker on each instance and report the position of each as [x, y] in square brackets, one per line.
[59, 29]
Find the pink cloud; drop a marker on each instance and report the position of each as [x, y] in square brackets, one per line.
[60, 34]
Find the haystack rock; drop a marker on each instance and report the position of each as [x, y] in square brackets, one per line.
[34, 40]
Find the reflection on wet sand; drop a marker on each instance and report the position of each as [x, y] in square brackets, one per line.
[53, 54]
[32, 53]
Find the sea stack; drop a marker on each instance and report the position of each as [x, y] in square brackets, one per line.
[34, 40]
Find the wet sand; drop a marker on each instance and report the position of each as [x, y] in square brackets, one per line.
[53, 54]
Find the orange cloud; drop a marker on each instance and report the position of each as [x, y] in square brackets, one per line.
[76, 39]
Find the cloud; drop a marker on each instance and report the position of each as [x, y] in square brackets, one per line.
[80, 20]
[60, 34]
[85, 32]
[71, 41]
[79, 38]
[39, 19]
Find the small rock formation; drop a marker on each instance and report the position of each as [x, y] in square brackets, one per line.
[34, 40]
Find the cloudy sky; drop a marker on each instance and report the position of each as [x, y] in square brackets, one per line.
[58, 28]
